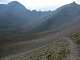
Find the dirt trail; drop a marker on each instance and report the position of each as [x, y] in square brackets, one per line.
[27, 46]
[75, 51]
[72, 56]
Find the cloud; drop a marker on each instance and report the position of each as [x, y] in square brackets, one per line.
[4, 0]
[42, 4]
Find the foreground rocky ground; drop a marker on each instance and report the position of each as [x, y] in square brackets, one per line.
[57, 46]
[59, 49]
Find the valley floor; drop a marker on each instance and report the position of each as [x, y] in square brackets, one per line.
[51, 47]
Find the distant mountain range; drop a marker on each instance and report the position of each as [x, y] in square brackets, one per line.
[61, 17]
[14, 16]
[18, 23]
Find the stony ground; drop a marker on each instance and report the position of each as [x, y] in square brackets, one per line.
[57, 46]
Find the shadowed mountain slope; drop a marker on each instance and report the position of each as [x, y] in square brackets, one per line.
[14, 16]
[15, 19]
[60, 18]
[22, 24]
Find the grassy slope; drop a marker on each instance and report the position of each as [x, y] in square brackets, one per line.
[41, 40]
[24, 49]
[57, 49]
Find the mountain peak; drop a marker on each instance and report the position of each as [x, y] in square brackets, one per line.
[15, 3]
[74, 3]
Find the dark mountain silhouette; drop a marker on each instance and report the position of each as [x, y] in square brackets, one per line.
[14, 16]
[60, 18]
[15, 19]
[19, 23]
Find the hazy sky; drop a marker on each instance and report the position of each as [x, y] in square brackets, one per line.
[42, 4]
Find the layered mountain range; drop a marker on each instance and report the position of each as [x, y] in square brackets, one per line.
[61, 17]
[17, 22]
[23, 31]
[14, 16]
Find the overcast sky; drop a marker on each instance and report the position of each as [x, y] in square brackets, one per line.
[42, 4]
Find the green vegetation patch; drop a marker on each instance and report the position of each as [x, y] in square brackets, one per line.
[76, 37]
